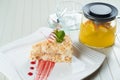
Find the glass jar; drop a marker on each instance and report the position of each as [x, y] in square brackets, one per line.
[98, 25]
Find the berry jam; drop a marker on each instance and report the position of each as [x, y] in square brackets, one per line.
[31, 68]
[33, 62]
[30, 73]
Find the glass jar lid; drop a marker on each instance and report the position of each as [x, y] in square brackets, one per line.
[100, 12]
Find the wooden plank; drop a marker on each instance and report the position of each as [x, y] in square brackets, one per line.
[27, 18]
[9, 22]
[112, 63]
[36, 15]
[116, 49]
[44, 12]
[18, 20]
[3, 15]
[52, 5]
[105, 70]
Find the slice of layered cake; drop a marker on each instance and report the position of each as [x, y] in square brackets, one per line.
[56, 48]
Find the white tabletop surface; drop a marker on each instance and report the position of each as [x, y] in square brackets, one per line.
[19, 18]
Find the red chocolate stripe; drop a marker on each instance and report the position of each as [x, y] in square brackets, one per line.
[44, 69]
[50, 67]
[39, 69]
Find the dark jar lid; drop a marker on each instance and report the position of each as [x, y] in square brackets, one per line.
[100, 12]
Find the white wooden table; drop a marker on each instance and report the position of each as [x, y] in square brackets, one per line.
[19, 18]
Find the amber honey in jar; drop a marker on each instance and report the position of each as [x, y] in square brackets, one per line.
[98, 25]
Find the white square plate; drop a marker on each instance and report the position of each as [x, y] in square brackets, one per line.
[85, 60]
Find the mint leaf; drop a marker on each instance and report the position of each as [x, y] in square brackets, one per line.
[60, 34]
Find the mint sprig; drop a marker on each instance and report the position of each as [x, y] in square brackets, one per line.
[60, 34]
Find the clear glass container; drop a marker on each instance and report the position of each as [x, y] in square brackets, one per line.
[98, 28]
[67, 15]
